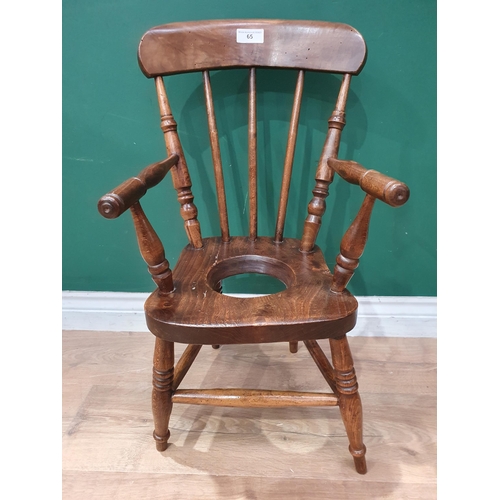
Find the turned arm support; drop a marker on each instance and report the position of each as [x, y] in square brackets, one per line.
[120, 199]
[376, 186]
[126, 196]
[386, 189]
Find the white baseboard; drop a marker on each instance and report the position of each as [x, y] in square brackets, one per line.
[378, 316]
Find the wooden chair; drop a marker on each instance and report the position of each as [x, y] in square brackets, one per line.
[187, 306]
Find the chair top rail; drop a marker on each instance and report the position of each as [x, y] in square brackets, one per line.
[205, 45]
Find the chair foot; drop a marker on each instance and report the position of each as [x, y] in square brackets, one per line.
[161, 442]
[359, 460]
[215, 346]
[294, 346]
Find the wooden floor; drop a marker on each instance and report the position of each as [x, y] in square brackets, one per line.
[229, 453]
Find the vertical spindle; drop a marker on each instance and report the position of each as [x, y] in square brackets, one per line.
[290, 151]
[252, 154]
[216, 157]
[324, 174]
[180, 173]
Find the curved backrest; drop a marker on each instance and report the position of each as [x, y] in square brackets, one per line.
[204, 45]
[214, 45]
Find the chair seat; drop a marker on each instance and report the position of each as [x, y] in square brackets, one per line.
[196, 313]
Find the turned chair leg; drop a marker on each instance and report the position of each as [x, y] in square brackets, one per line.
[349, 400]
[163, 376]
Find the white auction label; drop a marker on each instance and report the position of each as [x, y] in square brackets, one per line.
[250, 36]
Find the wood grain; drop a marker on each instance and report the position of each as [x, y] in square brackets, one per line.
[216, 157]
[324, 173]
[352, 246]
[152, 250]
[349, 400]
[127, 485]
[253, 398]
[290, 152]
[121, 198]
[180, 173]
[383, 187]
[240, 453]
[204, 45]
[252, 153]
[307, 309]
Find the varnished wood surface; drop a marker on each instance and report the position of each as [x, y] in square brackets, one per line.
[290, 152]
[152, 250]
[237, 453]
[185, 362]
[203, 45]
[119, 200]
[216, 157]
[324, 173]
[307, 309]
[383, 187]
[180, 173]
[252, 153]
[352, 246]
[253, 398]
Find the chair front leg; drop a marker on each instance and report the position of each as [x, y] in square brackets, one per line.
[163, 376]
[349, 400]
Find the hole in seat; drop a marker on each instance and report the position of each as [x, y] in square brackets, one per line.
[251, 274]
[252, 283]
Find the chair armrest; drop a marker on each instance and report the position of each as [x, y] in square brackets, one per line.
[120, 199]
[386, 189]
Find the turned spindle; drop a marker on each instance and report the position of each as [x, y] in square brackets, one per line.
[352, 246]
[376, 186]
[116, 202]
[324, 174]
[163, 377]
[391, 191]
[349, 400]
[180, 173]
[152, 250]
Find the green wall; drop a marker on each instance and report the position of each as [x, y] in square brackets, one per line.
[111, 131]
